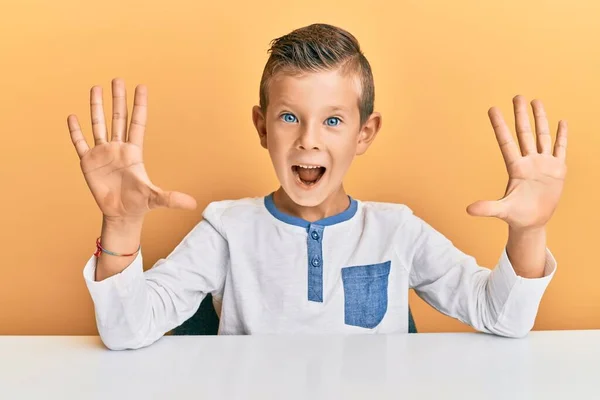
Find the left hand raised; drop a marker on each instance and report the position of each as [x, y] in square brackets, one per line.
[536, 174]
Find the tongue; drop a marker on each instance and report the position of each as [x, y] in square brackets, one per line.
[309, 175]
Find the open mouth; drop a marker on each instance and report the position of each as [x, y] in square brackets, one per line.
[308, 175]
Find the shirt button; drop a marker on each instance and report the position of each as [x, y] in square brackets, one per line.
[315, 235]
[316, 262]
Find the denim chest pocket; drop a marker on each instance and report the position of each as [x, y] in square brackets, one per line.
[365, 294]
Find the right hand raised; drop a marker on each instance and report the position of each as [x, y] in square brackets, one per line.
[114, 170]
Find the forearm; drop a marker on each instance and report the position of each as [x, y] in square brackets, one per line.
[526, 250]
[132, 309]
[497, 301]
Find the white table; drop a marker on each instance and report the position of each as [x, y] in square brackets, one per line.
[545, 365]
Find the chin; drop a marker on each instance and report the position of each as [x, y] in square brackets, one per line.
[306, 200]
[306, 196]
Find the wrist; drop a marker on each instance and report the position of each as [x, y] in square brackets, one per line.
[526, 251]
[121, 225]
[121, 236]
[526, 232]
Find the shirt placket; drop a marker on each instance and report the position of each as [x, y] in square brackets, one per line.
[315, 262]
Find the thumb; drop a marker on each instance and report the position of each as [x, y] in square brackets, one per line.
[485, 208]
[174, 200]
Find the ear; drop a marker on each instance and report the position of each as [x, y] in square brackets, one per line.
[368, 132]
[260, 124]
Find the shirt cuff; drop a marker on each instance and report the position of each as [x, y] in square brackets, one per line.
[122, 282]
[505, 279]
[549, 267]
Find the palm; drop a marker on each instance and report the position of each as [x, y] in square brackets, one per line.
[114, 170]
[536, 177]
[117, 178]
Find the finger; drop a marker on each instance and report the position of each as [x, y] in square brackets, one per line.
[522, 126]
[485, 208]
[139, 116]
[97, 113]
[508, 147]
[119, 118]
[172, 200]
[560, 147]
[81, 146]
[542, 130]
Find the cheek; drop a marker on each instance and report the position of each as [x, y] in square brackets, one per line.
[279, 138]
[344, 161]
[344, 151]
[277, 147]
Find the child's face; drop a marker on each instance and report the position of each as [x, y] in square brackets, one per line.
[312, 131]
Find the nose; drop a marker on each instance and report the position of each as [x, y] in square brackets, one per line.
[309, 138]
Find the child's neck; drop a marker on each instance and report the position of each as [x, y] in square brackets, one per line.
[335, 204]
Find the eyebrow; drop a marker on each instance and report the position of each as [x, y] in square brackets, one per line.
[338, 108]
[285, 104]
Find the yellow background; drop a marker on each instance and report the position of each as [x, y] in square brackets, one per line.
[438, 66]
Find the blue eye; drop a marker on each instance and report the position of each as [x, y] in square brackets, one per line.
[333, 121]
[289, 118]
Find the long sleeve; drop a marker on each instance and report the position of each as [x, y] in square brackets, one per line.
[493, 301]
[135, 308]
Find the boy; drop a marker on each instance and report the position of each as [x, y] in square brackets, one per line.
[308, 257]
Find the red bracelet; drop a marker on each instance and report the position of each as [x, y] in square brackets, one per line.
[100, 249]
